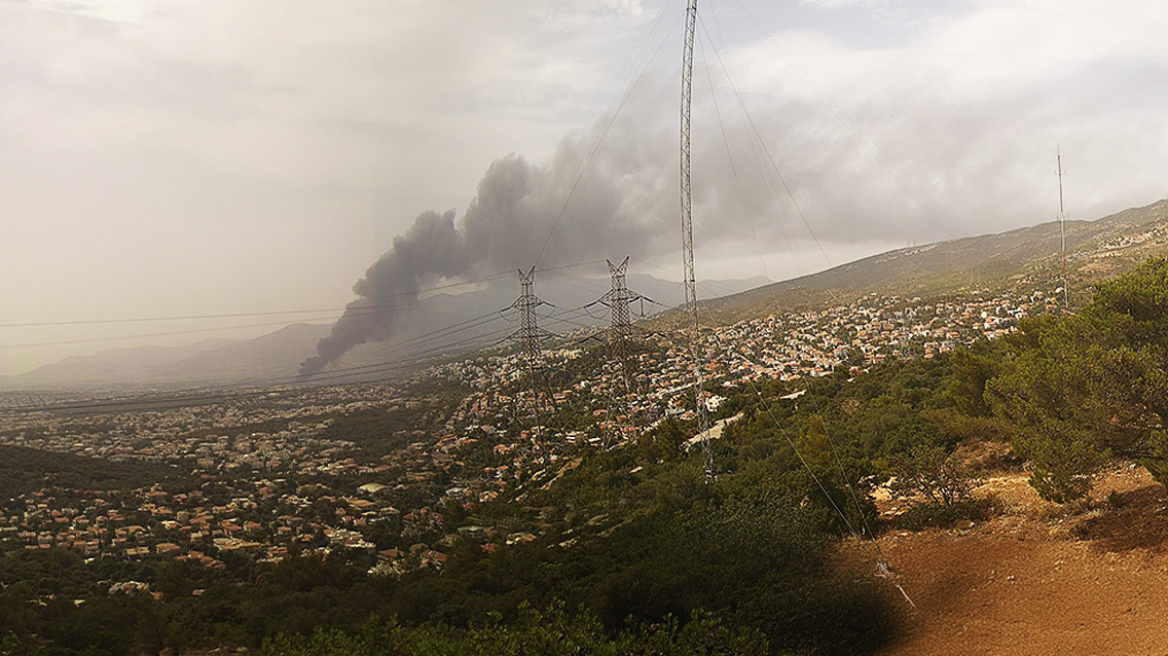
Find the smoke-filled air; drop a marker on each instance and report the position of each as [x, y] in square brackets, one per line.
[521, 213]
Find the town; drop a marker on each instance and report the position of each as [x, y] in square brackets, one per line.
[392, 473]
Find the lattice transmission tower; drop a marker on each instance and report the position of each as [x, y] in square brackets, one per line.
[530, 337]
[620, 331]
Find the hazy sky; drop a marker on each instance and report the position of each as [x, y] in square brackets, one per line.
[164, 158]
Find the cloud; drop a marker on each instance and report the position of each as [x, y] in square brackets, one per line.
[967, 113]
[270, 135]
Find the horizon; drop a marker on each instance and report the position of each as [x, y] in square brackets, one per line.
[219, 160]
[707, 289]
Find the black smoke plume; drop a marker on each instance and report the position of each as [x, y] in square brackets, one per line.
[518, 209]
[613, 191]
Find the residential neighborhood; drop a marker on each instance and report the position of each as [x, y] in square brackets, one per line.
[268, 472]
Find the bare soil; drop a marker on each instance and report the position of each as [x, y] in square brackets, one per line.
[1089, 579]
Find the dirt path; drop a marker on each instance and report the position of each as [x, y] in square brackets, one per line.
[1041, 579]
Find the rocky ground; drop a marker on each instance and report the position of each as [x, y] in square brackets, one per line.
[1041, 579]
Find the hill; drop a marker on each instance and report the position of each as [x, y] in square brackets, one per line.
[118, 366]
[272, 357]
[275, 357]
[1015, 260]
[647, 531]
[23, 470]
[443, 324]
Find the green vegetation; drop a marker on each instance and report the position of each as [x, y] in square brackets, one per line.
[552, 633]
[23, 469]
[1078, 390]
[632, 550]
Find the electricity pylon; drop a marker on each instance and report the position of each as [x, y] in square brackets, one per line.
[530, 336]
[620, 329]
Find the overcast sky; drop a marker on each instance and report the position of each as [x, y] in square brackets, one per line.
[163, 158]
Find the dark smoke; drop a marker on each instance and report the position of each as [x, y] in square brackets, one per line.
[432, 247]
[505, 226]
[627, 204]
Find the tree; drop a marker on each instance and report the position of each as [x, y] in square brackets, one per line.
[971, 372]
[1086, 387]
[933, 474]
[815, 446]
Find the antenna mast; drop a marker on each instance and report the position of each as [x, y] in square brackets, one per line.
[691, 291]
[1063, 232]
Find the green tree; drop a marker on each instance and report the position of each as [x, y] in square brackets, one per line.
[1086, 387]
[933, 474]
[971, 372]
[815, 446]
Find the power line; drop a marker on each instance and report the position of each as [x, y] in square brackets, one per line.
[238, 315]
[352, 374]
[593, 150]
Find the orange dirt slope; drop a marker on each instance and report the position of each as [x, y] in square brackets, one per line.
[1042, 579]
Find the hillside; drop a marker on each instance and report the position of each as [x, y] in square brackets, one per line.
[481, 518]
[1040, 579]
[111, 366]
[275, 357]
[1019, 259]
[23, 470]
[1022, 260]
[271, 357]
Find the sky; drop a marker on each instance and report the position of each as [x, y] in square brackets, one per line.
[200, 158]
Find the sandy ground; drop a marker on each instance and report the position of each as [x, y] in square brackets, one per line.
[1040, 579]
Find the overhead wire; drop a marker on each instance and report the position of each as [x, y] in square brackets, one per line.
[237, 315]
[883, 568]
[351, 373]
[857, 131]
[377, 306]
[776, 207]
[233, 391]
[595, 148]
[729, 154]
[771, 159]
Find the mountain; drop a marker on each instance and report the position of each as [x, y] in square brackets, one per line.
[1021, 260]
[113, 366]
[424, 332]
[1024, 259]
[444, 324]
[273, 357]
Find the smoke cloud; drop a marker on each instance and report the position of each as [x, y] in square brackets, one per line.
[944, 153]
[522, 213]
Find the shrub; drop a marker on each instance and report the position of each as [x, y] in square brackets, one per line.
[932, 474]
[936, 515]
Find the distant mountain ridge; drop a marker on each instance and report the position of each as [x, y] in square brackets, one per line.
[1013, 260]
[213, 361]
[275, 358]
[1022, 259]
[120, 364]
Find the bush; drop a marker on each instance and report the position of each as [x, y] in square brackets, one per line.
[1062, 470]
[932, 474]
[551, 632]
[937, 515]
